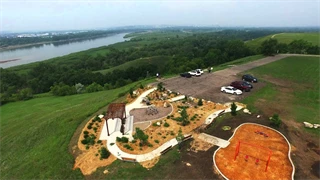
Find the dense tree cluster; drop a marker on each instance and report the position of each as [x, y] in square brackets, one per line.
[272, 47]
[75, 75]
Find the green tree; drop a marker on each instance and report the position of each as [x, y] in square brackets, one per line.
[94, 87]
[184, 117]
[269, 47]
[25, 94]
[160, 86]
[200, 103]
[131, 92]
[141, 136]
[233, 109]
[275, 120]
[104, 153]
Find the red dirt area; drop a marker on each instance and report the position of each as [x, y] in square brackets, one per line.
[255, 146]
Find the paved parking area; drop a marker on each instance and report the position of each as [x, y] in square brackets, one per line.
[208, 85]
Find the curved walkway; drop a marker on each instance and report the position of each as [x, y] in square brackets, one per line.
[117, 152]
[213, 157]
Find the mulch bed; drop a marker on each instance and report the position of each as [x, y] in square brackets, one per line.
[245, 167]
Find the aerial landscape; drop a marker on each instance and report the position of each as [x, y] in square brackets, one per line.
[160, 89]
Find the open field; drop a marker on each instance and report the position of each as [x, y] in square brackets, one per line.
[255, 146]
[287, 38]
[159, 61]
[35, 134]
[294, 87]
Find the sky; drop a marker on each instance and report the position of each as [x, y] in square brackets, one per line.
[42, 15]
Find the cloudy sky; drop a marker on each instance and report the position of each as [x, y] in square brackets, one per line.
[31, 15]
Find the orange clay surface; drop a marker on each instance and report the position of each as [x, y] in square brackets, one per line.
[279, 166]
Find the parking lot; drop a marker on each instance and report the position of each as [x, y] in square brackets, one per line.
[207, 86]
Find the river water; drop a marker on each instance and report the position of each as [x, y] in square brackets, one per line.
[46, 51]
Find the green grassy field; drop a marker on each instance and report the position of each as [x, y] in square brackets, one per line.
[159, 61]
[127, 170]
[238, 62]
[301, 76]
[313, 38]
[35, 134]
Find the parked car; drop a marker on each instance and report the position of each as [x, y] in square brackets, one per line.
[249, 78]
[240, 85]
[186, 75]
[200, 70]
[247, 84]
[195, 73]
[231, 90]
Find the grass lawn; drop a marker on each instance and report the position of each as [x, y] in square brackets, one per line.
[287, 38]
[296, 78]
[35, 134]
[238, 62]
[128, 170]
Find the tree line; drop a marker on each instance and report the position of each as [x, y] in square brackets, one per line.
[78, 76]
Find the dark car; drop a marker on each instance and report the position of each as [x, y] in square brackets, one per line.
[249, 78]
[186, 75]
[240, 85]
[247, 84]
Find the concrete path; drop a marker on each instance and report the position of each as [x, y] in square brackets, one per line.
[214, 140]
[117, 152]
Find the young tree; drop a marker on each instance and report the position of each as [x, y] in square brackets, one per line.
[160, 86]
[184, 117]
[233, 109]
[200, 103]
[79, 88]
[275, 120]
[131, 92]
[104, 153]
[141, 136]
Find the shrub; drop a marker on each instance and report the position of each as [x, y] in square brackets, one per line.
[164, 137]
[95, 129]
[96, 118]
[111, 144]
[99, 141]
[233, 109]
[134, 141]
[200, 103]
[85, 132]
[84, 141]
[141, 86]
[104, 153]
[122, 139]
[275, 120]
[89, 127]
[86, 136]
[166, 124]
[168, 117]
[87, 147]
[172, 133]
[154, 124]
[150, 145]
[156, 141]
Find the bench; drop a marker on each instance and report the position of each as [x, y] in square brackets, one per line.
[166, 150]
[128, 159]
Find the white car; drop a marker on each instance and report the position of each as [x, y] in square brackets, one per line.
[231, 90]
[194, 73]
[199, 70]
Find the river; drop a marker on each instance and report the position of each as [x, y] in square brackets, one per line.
[25, 55]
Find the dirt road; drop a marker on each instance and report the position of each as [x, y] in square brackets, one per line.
[208, 85]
